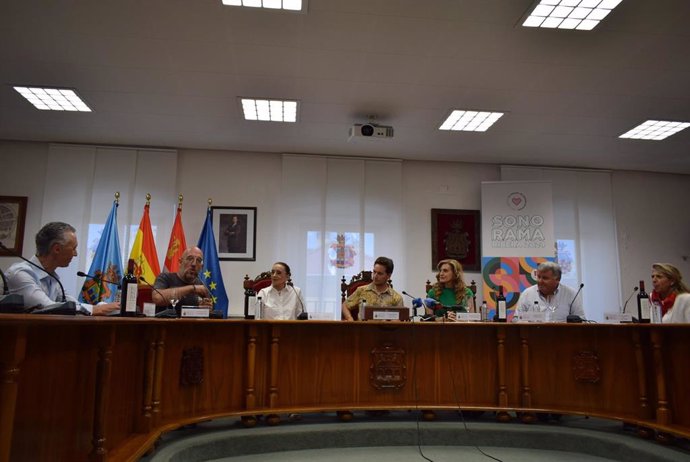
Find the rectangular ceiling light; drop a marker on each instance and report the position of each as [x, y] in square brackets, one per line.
[569, 14]
[53, 99]
[291, 5]
[273, 110]
[470, 121]
[655, 130]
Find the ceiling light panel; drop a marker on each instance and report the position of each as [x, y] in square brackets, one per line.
[53, 99]
[289, 5]
[656, 130]
[569, 14]
[470, 121]
[273, 110]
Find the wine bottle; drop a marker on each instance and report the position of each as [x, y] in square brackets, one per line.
[128, 299]
[501, 312]
[643, 308]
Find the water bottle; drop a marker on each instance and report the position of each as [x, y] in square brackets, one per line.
[259, 308]
[362, 307]
[484, 311]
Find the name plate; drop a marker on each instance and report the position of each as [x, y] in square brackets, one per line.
[385, 316]
[321, 316]
[616, 318]
[149, 309]
[468, 317]
[194, 312]
[533, 316]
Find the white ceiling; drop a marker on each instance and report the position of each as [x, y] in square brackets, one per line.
[167, 73]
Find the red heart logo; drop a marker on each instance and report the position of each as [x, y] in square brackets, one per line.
[516, 201]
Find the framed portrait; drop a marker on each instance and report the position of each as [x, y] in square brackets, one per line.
[235, 230]
[12, 219]
[456, 234]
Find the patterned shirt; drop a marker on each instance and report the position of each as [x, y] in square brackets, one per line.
[368, 293]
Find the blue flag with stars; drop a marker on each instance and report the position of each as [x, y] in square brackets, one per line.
[106, 266]
[210, 272]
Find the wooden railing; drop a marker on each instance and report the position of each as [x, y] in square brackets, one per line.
[91, 388]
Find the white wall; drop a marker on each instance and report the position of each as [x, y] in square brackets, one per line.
[651, 218]
[436, 185]
[652, 224]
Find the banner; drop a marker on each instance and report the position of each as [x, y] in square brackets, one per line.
[176, 246]
[517, 235]
[144, 250]
[210, 273]
[106, 264]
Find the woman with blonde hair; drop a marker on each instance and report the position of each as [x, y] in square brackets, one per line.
[450, 290]
[668, 283]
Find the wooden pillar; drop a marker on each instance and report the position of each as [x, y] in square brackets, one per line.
[10, 361]
[526, 396]
[250, 390]
[105, 339]
[274, 419]
[502, 416]
[160, 334]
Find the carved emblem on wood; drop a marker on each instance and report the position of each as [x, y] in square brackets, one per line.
[586, 367]
[192, 366]
[388, 368]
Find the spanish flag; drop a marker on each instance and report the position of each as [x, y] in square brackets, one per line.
[144, 251]
[176, 246]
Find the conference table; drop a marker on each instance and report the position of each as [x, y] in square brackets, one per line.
[90, 388]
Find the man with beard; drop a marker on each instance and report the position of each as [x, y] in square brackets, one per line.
[184, 286]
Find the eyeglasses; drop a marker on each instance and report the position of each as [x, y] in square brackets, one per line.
[191, 259]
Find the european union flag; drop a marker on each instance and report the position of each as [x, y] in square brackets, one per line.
[106, 265]
[210, 273]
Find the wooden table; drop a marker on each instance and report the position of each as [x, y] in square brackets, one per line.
[90, 388]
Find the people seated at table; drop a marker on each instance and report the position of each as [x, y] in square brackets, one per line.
[56, 245]
[377, 293]
[555, 299]
[281, 300]
[668, 283]
[450, 292]
[183, 288]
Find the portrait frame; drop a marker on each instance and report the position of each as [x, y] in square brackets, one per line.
[235, 232]
[456, 234]
[12, 222]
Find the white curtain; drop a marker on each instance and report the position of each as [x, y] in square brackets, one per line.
[584, 225]
[338, 215]
[80, 187]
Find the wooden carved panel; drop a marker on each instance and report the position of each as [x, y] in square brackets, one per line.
[586, 367]
[388, 368]
[192, 366]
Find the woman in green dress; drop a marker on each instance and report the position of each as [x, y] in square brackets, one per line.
[450, 291]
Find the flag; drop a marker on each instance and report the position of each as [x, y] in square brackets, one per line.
[144, 251]
[106, 265]
[210, 272]
[176, 246]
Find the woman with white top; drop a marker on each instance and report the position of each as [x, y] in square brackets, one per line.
[281, 300]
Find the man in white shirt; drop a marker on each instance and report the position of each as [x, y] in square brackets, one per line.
[56, 245]
[550, 295]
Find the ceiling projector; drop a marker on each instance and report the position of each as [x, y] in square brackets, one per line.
[370, 131]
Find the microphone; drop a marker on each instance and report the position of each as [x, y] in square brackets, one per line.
[635, 289]
[426, 317]
[10, 303]
[166, 313]
[63, 307]
[98, 278]
[574, 317]
[575, 297]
